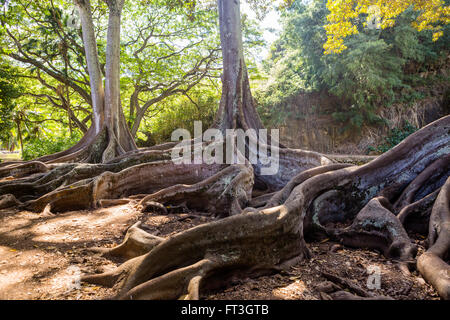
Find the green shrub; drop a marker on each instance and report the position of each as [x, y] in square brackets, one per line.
[395, 136]
[379, 68]
[35, 148]
[180, 113]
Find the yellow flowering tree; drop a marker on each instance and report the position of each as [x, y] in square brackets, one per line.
[380, 14]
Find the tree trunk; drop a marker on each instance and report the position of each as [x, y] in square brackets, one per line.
[120, 139]
[108, 136]
[237, 109]
[19, 133]
[93, 64]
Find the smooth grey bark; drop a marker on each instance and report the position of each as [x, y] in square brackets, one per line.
[93, 64]
[107, 110]
[112, 67]
[231, 40]
[237, 107]
[119, 134]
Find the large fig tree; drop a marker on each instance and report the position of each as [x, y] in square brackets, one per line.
[405, 189]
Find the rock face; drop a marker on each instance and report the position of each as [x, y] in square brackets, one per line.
[312, 127]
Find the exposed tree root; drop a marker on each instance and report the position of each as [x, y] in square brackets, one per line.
[436, 170]
[416, 216]
[281, 196]
[371, 206]
[376, 227]
[291, 163]
[183, 283]
[62, 175]
[230, 187]
[136, 243]
[243, 243]
[23, 169]
[225, 193]
[261, 200]
[433, 264]
[7, 201]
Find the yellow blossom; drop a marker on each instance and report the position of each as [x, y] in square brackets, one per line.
[432, 15]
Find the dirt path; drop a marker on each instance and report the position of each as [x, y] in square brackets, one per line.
[42, 257]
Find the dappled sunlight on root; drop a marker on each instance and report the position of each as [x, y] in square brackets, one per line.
[259, 239]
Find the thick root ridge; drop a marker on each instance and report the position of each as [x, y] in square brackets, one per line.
[22, 170]
[225, 193]
[440, 167]
[432, 264]
[136, 243]
[60, 175]
[183, 283]
[376, 227]
[88, 193]
[416, 216]
[372, 206]
[281, 196]
[248, 242]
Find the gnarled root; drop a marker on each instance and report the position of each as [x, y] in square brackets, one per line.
[183, 283]
[432, 264]
[61, 175]
[23, 169]
[268, 238]
[281, 196]
[136, 243]
[240, 244]
[8, 201]
[225, 193]
[377, 227]
[436, 170]
[87, 193]
[416, 216]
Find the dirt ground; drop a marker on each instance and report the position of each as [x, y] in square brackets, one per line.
[42, 257]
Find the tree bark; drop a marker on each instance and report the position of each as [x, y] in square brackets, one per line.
[108, 135]
[19, 133]
[237, 109]
[93, 64]
[119, 134]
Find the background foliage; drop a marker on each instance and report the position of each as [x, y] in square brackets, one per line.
[379, 67]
